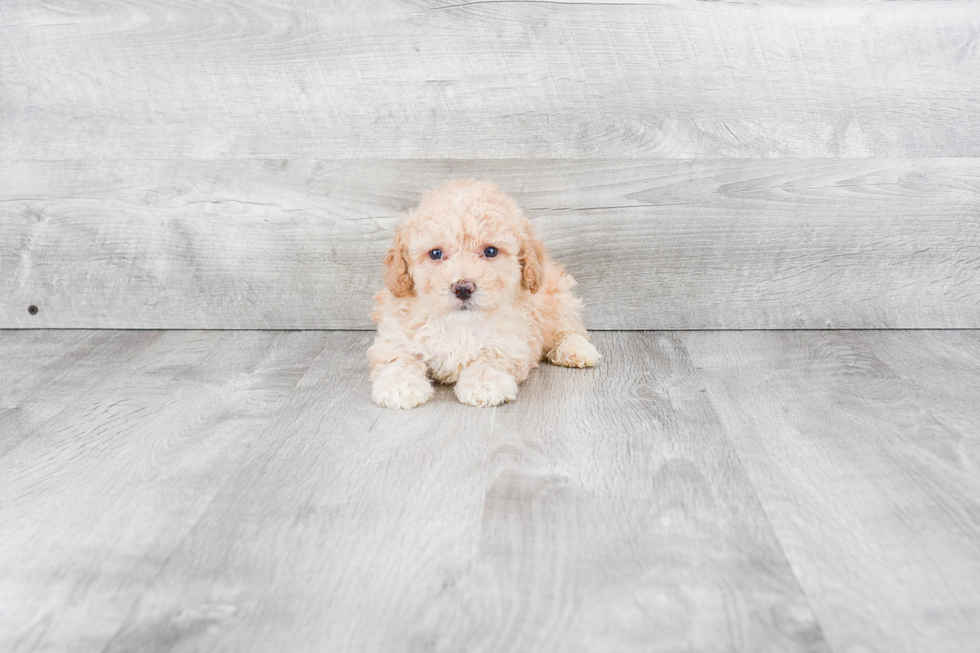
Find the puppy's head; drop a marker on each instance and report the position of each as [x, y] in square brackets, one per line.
[466, 247]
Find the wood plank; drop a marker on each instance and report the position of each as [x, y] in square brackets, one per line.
[35, 359]
[603, 510]
[94, 498]
[49, 372]
[653, 243]
[416, 79]
[874, 500]
[941, 371]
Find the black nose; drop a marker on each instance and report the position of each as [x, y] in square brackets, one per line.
[463, 289]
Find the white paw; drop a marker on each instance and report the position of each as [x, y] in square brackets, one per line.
[401, 388]
[574, 351]
[485, 386]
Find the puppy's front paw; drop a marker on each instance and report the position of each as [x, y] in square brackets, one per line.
[482, 385]
[399, 388]
[574, 351]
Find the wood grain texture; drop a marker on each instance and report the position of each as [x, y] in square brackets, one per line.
[47, 368]
[653, 243]
[866, 456]
[604, 510]
[941, 373]
[418, 79]
[106, 476]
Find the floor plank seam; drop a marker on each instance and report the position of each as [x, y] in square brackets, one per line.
[772, 529]
[234, 478]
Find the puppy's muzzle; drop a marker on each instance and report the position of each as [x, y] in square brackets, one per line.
[463, 289]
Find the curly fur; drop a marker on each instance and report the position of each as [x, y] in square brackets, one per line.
[522, 310]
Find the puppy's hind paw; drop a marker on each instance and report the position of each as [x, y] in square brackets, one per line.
[573, 350]
[401, 390]
[485, 386]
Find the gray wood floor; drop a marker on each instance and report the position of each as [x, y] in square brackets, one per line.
[699, 491]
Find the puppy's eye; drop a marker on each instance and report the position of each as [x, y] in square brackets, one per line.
[490, 252]
[435, 254]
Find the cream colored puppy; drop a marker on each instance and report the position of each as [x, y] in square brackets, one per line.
[472, 299]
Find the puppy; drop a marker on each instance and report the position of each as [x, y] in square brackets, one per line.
[471, 298]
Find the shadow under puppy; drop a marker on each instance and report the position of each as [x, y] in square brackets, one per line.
[471, 298]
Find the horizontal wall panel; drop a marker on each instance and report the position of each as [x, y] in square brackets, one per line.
[655, 244]
[403, 79]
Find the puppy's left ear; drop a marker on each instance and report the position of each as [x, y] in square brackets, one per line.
[533, 256]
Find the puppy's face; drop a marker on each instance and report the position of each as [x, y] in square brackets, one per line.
[466, 248]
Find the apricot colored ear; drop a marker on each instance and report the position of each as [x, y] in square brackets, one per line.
[532, 263]
[397, 278]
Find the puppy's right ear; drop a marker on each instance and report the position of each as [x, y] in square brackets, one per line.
[397, 278]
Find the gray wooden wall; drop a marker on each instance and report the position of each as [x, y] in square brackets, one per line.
[695, 164]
